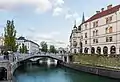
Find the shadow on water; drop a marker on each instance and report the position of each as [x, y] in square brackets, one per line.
[53, 73]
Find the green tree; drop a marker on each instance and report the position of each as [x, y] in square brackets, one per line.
[20, 49]
[44, 46]
[52, 49]
[10, 36]
[23, 49]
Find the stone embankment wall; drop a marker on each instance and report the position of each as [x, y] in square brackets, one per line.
[112, 73]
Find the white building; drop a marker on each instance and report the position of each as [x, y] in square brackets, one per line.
[100, 34]
[1, 43]
[32, 47]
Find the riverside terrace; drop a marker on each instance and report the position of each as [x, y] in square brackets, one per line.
[14, 61]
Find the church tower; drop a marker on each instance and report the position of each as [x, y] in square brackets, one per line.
[83, 18]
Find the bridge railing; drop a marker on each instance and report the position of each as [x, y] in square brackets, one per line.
[19, 57]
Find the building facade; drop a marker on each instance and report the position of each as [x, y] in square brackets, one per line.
[32, 47]
[1, 43]
[100, 34]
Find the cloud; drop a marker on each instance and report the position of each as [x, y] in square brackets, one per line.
[50, 37]
[74, 16]
[31, 30]
[68, 16]
[57, 11]
[59, 2]
[39, 5]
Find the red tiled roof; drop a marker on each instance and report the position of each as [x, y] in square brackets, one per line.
[103, 13]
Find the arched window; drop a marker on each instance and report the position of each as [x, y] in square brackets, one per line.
[113, 50]
[80, 47]
[105, 50]
[75, 51]
[3, 73]
[98, 50]
[92, 50]
[86, 50]
[74, 43]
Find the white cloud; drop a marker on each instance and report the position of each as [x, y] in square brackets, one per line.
[50, 37]
[73, 16]
[68, 16]
[59, 2]
[39, 5]
[57, 11]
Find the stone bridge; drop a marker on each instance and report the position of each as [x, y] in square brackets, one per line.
[14, 59]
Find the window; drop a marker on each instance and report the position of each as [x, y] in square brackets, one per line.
[85, 35]
[110, 30]
[96, 23]
[96, 40]
[81, 37]
[93, 41]
[110, 38]
[85, 41]
[93, 24]
[93, 33]
[106, 39]
[110, 18]
[96, 32]
[107, 20]
[106, 30]
[85, 26]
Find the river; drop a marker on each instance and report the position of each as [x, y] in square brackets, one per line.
[53, 73]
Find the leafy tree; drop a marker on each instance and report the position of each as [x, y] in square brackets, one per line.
[52, 49]
[20, 49]
[10, 36]
[23, 49]
[44, 46]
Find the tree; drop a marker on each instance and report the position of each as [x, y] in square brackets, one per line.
[52, 49]
[23, 49]
[20, 49]
[44, 46]
[10, 36]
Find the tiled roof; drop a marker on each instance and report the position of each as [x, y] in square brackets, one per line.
[103, 13]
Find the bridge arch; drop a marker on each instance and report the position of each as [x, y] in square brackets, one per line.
[3, 73]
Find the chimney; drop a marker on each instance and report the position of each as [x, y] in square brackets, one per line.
[102, 9]
[109, 6]
[97, 12]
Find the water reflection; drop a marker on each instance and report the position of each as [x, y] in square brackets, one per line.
[54, 73]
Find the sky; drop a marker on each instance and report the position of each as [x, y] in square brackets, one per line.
[48, 20]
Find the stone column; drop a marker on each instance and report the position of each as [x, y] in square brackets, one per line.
[102, 50]
[67, 59]
[109, 50]
[48, 61]
[63, 59]
[55, 61]
[9, 72]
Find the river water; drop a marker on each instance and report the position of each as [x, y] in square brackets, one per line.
[53, 73]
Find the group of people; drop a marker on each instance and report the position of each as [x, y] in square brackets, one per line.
[6, 55]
